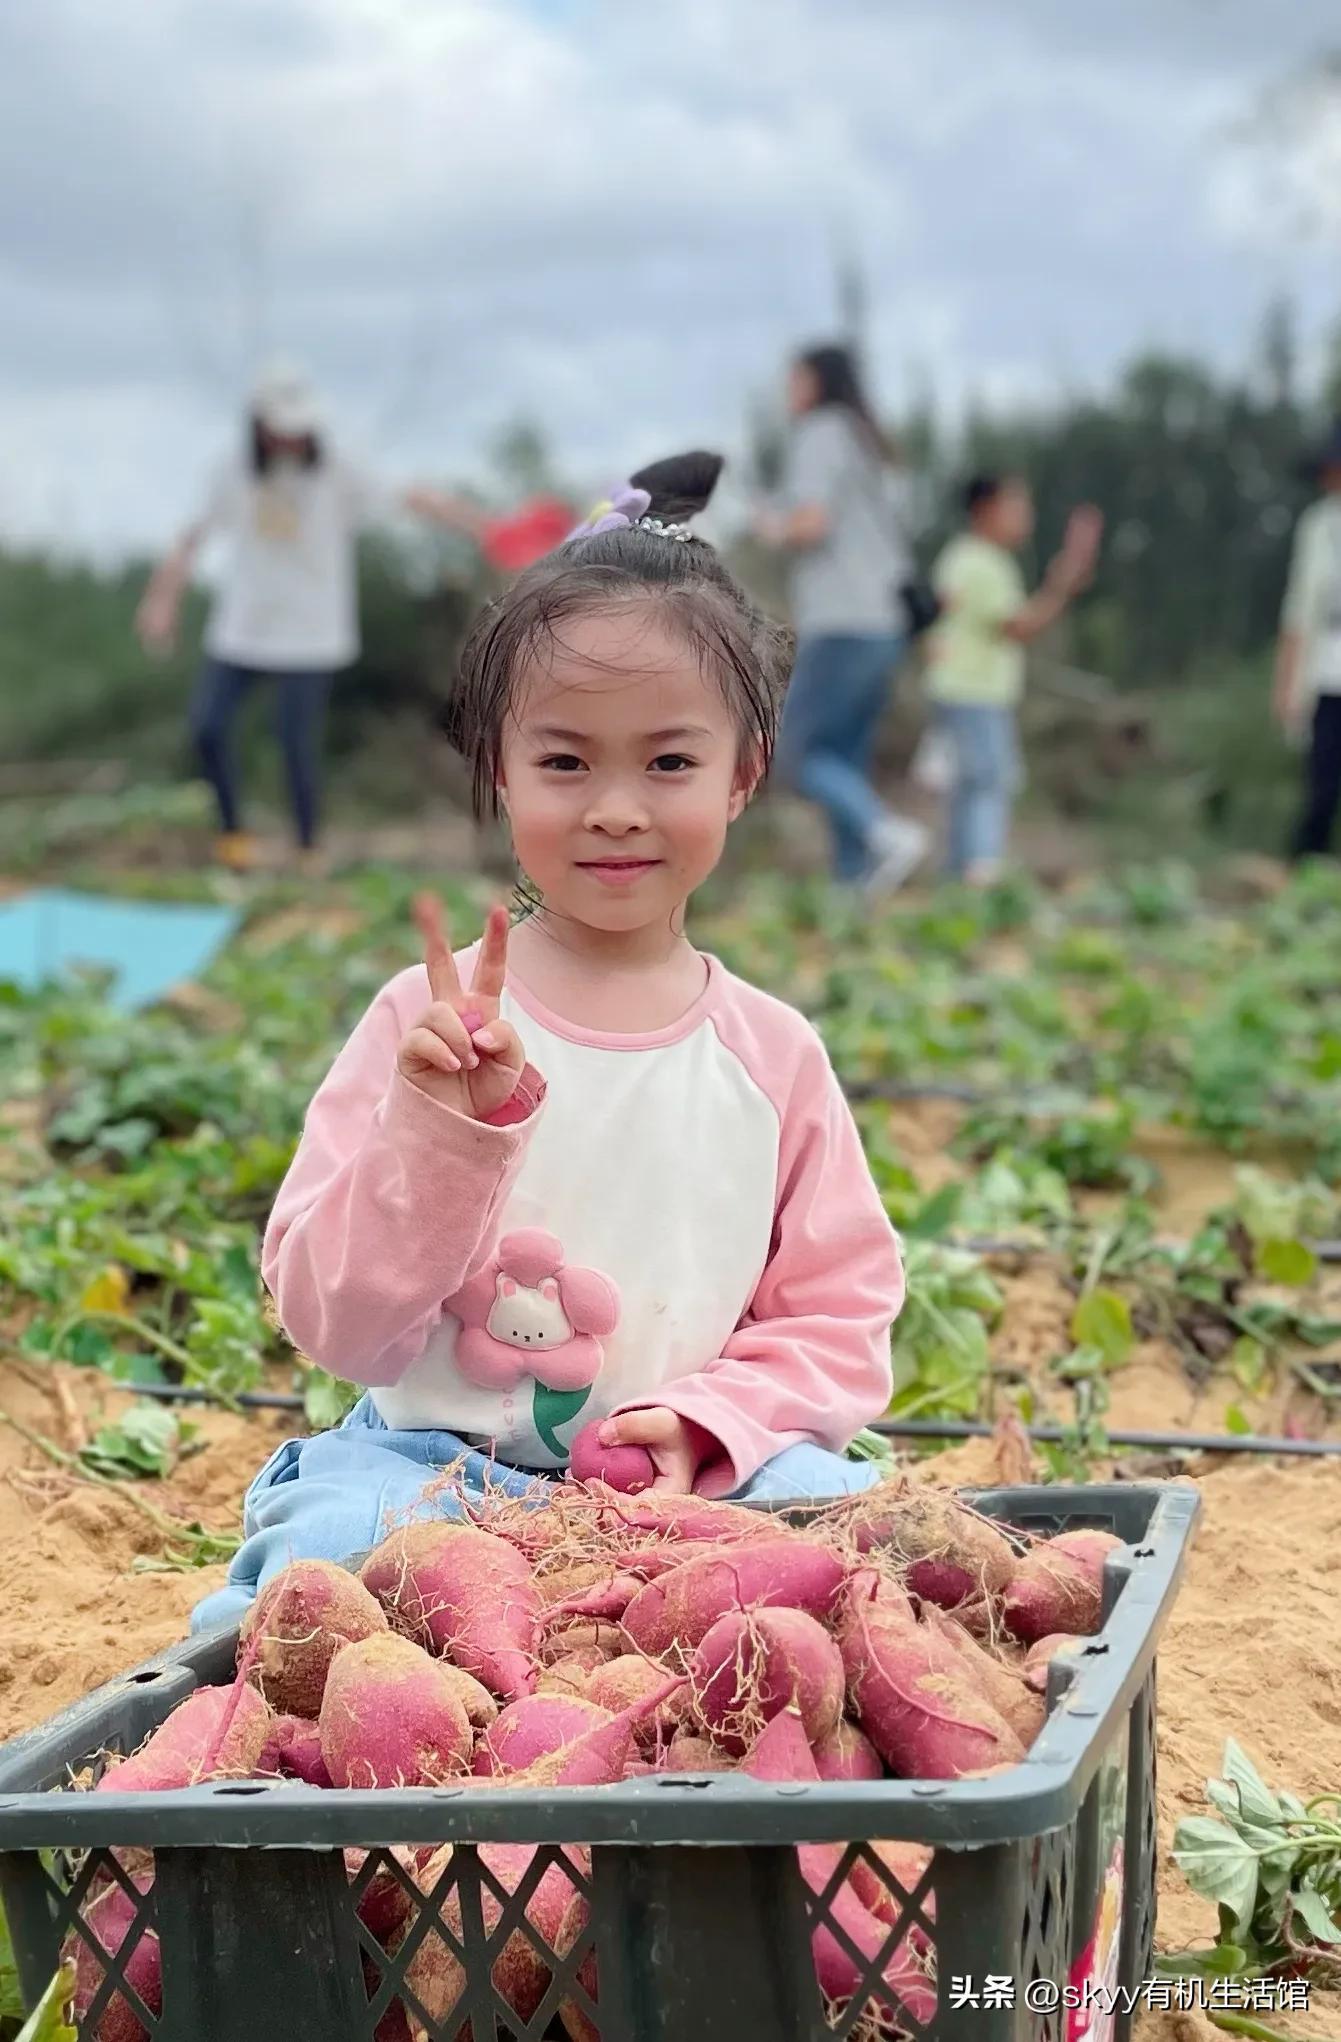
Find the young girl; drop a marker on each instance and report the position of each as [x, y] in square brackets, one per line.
[580, 1172]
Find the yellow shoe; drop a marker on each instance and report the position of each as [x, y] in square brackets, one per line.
[236, 850]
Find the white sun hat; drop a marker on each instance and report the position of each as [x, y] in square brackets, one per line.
[284, 400]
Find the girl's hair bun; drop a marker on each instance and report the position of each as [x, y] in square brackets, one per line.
[680, 486]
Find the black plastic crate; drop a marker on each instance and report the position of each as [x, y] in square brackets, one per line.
[699, 1922]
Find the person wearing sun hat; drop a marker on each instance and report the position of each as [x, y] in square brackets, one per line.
[1306, 693]
[288, 508]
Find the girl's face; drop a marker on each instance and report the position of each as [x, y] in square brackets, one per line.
[620, 771]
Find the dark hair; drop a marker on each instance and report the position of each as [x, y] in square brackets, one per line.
[980, 489]
[262, 453]
[746, 652]
[986, 486]
[839, 382]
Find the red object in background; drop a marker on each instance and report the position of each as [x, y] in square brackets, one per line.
[513, 542]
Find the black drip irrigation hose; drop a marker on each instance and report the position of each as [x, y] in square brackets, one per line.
[861, 1089]
[1168, 1442]
[896, 1428]
[188, 1393]
[990, 1244]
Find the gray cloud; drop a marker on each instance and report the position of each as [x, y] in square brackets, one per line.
[615, 219]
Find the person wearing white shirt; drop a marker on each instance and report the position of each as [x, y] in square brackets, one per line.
[288, 509]
[1307, 687]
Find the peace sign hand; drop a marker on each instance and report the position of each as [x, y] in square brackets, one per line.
[460, 1052]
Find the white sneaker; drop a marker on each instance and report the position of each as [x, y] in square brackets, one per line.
[898, 848]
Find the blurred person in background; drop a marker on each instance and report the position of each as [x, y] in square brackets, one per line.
[289, 509]
[839, 522]
[1307, 690]
[976, 655]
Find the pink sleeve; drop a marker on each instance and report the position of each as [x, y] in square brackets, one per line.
[810, 1360]
[389, 1205]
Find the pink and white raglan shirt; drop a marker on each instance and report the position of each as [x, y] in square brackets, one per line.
[682, 1218]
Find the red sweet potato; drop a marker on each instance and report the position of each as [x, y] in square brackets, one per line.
[531, 1728]
[603, 1601]
[952, 1554]
[520, 1974]
[588, 1638]
[177, 1754]
[621, 1683]
[688, 1754]
[1089, 1545]
[1004, 1686]
[293, 1751]
[752, 1664]
[299, 1621]
[906, 1863]
[680, 1608]
[392, 1717]
[626, 1468]
[480, 1707]
[847, 1753]
[108, 1916]
[384, 1905]
[559, 1584]
[1040, 1656]
[915, 1699]
[599, 1756]
[783, 1753]
[1058, 1586]
[394, 2025]
[573, 2017]
[466, 1595]
[569, 1676]
[665, 1515]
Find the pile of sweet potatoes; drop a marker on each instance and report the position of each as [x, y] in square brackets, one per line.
[606, 1636]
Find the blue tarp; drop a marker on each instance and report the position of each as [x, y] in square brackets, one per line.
[151, 946]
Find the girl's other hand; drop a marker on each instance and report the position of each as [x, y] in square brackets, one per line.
[678, 1449]
[460, 1052]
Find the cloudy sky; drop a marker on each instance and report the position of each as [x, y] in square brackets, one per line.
[615, 218]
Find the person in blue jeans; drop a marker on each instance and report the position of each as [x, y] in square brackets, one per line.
[976, 653]
[288, 509]
[840, 524]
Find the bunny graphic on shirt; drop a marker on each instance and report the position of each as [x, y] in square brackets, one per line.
[528, 1313]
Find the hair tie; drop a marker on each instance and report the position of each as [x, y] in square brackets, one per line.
[626, 510]
[680, 532]
[624, 507]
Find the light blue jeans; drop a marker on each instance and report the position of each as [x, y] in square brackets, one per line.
[838, 689]
[987, 778]
[339, 1493]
